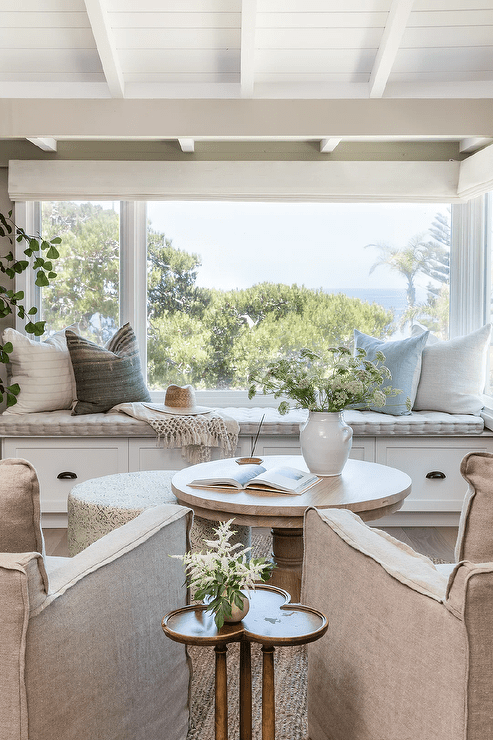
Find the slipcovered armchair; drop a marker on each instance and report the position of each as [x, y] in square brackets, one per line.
[82, 652]
[409, 650]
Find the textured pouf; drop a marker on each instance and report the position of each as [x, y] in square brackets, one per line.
[99, 505]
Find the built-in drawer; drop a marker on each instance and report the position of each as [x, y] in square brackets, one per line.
[147, 454]
[434, 467]
[61, 463]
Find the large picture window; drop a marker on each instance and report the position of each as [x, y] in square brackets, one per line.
[229, 284]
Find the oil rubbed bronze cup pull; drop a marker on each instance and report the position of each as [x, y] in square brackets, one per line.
[67, 475]
[436, 474]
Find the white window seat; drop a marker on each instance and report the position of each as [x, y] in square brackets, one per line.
[68, 449]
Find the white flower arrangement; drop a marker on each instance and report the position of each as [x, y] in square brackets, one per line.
[333, 381]
[223, 572]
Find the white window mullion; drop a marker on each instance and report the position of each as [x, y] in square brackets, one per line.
[133, 272]
[27, 215]
[469, 289]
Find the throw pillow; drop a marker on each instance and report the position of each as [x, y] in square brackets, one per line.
[43, 370]
[403, 358]
[453, 374]
[106, 376]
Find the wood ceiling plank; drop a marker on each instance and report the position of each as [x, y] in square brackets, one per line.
[41, 19]
[177, 38]
[319, 38]
[248, 47]
[171, 20]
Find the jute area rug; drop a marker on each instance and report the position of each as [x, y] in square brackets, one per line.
[290, 684]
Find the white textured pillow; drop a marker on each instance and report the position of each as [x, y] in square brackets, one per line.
[453, 374]
[44, 372]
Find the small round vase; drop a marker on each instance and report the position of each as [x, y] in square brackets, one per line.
[326, 442]
[237, 614]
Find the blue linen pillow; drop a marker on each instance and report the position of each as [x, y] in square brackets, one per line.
[403, 358]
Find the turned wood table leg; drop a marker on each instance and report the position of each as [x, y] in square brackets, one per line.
[221, 693]
[288, 556]
[245, 691]
[268, 696]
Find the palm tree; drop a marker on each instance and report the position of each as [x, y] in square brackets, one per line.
[408, 262]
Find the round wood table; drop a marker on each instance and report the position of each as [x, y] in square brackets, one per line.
[369, 489]
[271, 621]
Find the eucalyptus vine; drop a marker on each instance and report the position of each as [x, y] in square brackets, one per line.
[11, 301]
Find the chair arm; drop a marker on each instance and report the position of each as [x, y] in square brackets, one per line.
[112, 546]
[398, 559]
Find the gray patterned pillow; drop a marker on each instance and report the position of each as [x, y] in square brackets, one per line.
[106, 376]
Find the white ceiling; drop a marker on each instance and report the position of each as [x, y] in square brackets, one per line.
[221, 50]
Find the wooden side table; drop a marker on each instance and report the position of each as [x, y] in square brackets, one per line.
[271, 621]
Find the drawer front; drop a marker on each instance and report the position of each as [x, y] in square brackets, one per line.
[78, 459]
[146, 454]
[434, 468]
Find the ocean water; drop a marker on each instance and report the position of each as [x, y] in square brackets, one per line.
[393, 298]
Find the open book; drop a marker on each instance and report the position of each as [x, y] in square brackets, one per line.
[280, 478]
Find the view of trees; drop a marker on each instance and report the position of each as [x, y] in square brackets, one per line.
[207, 337]
[421, 257]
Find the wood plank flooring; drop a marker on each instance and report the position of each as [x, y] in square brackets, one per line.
[436, 542]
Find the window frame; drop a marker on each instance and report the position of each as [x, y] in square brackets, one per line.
[469, 280]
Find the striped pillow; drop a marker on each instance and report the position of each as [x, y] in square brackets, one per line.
[43, 371]
[108, 376]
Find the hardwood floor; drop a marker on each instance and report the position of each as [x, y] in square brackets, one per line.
[436, 542]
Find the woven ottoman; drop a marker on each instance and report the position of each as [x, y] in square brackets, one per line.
[99, 505]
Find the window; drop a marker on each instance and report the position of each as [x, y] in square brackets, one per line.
[237, 282]
[225, 281]
[86, 289]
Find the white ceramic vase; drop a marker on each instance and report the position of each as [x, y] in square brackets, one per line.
[326, 442]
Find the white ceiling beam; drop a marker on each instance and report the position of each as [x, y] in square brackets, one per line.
[187, 145]
[328, 145]
[47, 145]
[247, 56]
[240, 119]
[103, 35]
[472, 144]
[389, 46]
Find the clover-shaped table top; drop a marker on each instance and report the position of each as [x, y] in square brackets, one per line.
[271, 620]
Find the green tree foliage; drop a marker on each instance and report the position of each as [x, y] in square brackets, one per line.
[408, 262]
[209, 338]
[171, 276]
[434, 312]
[87, 286]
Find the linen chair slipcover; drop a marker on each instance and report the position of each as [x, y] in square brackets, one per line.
[409, 650]
[82, 652]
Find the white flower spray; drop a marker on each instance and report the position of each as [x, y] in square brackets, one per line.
[223, 572]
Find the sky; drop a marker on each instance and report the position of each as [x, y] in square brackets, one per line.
[319, 245]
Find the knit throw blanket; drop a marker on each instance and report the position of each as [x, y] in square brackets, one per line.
[197, 435]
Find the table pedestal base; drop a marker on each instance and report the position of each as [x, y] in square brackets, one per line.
[287, 547]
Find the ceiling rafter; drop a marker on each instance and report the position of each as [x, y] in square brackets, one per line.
[101, 29]
[247, 52]
[389, 46]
